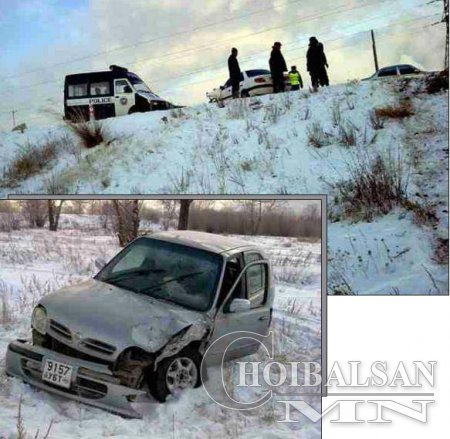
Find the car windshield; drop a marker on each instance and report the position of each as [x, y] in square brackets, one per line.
[166, 271]
[138, 83]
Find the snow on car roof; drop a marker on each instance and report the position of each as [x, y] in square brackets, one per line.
[206, 241]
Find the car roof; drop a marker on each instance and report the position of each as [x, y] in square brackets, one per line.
[202, 240]
[397, 65]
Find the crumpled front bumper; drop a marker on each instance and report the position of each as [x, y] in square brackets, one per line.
[91, 384]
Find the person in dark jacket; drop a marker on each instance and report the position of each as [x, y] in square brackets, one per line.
[235, 72]
[277, 67]
[317, 64]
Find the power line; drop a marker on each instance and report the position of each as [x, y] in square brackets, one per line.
[162, 37]
[309, 18]
[293, 49]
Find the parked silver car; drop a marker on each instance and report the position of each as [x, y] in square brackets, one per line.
[397, 70]
[142, 324]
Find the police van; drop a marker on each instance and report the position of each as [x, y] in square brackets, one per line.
[108, 94]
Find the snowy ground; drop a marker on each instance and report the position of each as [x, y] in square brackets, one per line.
[36, 262]
[263, 148]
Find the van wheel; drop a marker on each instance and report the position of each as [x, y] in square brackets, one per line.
[176, 373]
[132, 110]
[245, 94]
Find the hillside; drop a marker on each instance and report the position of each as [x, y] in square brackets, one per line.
[379, 149]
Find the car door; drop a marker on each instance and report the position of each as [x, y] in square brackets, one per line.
[250, 284]
[123, 96]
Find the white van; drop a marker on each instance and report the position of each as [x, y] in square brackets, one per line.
[116, 92]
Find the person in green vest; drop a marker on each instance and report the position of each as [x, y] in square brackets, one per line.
[295, 78]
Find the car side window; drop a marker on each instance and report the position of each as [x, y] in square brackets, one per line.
[256, 278]
[76, 90]
[120, 86]
[100, 88]
[390, 71]
[407, 70]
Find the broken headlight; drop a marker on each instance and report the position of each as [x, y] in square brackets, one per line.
[39, 320]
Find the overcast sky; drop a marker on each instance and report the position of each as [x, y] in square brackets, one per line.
[180, 48]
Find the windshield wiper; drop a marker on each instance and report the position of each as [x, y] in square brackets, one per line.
[158, 286]
[132, 273]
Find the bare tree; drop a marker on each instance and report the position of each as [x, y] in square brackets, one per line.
[54, 212]
[183, 219]
[127, 213]
[256, 209]
[169, 212]
[35, 211]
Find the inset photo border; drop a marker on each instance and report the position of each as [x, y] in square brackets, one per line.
[227, 293]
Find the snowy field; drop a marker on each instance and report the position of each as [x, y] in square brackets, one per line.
[261, 145]
[35, 262]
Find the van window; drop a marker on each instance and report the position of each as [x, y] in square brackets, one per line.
[100, 88]
[76, 90]
[256, 280]
[408, 70]
[121, 84]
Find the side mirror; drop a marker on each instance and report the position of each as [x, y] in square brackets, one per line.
[127, 89]
[99, 263]
[240, 305]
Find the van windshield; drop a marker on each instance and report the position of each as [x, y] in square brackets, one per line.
[166, 271]
[138, 83]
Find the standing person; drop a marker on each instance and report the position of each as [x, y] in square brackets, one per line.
[235, 72]
[324, 81]
[277, 67]
[316, 62]
[295, 79]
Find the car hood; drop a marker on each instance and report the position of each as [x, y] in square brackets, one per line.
[97, 310]
[150, 96]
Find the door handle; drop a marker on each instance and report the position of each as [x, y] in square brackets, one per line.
[264, 318]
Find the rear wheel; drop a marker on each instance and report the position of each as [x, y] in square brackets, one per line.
[175, 374]
[245, 94]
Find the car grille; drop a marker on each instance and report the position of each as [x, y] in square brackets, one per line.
[61, 330]
[96, 346]
[82, 387]
[99, 346]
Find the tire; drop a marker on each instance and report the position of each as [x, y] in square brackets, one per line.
[183, 366]
[132, 110]
[245, 94]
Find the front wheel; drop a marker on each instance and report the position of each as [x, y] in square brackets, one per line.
[175, 374]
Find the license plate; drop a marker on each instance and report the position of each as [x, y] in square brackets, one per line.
[57, 373]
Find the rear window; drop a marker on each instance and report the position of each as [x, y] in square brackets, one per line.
[407, 70]
[252, 73]
[76, 90]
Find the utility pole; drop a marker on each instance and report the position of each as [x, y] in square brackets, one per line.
[445, 18]
[374, 48]
[14, 117]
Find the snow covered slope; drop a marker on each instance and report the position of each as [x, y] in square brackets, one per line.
[36, 262]
[269, 145]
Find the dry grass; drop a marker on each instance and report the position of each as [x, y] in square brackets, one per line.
[400, 111]
[317, 137]
[441, 251]
[90, 133]
[375, 187]
[30, 161]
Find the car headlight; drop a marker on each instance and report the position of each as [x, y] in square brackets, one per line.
[39, 320]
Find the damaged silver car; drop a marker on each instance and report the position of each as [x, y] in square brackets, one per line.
[140, 327]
